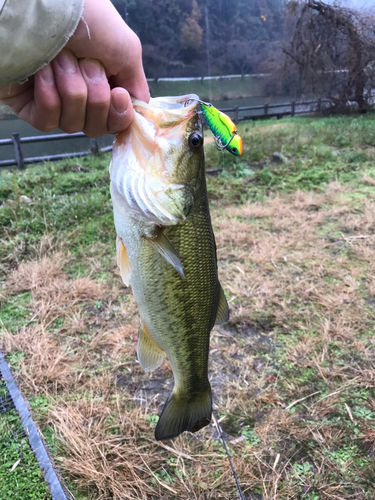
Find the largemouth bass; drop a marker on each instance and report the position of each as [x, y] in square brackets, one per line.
[166, 251]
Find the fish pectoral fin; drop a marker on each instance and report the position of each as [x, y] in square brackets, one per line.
[181, 413]
[222, 315]
[150, 356]
[162, 245]
[123, 261]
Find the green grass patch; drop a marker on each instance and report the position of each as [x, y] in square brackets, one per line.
[14, 312]
[314, 158]
[20, 476]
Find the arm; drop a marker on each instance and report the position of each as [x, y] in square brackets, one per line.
[86, 86]
[32, 33]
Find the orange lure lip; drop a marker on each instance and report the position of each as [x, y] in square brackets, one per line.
[241, 146]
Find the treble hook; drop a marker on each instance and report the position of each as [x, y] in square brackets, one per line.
[220, 146]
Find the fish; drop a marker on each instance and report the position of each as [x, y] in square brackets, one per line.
[166, 251]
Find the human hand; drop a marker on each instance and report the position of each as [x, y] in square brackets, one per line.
[86, 87]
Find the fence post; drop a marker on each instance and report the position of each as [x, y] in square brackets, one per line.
[235, 114]
[18, 151]
[94, 148]
[293, 108]
[319, 106]
[266, 109]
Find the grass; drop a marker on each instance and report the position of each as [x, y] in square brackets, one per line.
[292, 372]
[20, 476]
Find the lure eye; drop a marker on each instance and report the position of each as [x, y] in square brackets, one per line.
[234, 150]
[195, 141]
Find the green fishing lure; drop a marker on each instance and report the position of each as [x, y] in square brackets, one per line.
[223, 128]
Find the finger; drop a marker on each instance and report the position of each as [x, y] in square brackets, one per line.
[132, 76]
[38, 102]
[15, 89]
[98, 97]
[123, 58]
[121, 111]
[18, 101]
[42, 110]
[72, 90]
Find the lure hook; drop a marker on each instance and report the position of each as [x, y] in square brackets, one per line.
[220, 146]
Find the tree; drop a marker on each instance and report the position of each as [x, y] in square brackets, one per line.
[191, 32]
[242, 34]
[331, 52]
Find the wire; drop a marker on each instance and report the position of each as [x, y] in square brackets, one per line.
[227, 452]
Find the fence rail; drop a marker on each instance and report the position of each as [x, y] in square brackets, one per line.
[21, 162]
[237, 113]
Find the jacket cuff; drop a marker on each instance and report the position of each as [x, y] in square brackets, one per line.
[32, 33]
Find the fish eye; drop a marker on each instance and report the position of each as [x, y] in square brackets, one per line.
[195, 140]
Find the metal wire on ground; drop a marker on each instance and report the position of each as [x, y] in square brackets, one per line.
[11, 399]
[227, 452]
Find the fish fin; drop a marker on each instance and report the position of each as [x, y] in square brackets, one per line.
[179, 415]
[222, 315]
[162, 244]
[123, 261]
[150, 356]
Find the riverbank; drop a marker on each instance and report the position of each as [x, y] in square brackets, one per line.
[292, 372]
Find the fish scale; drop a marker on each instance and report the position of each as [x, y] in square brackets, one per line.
[188, 308]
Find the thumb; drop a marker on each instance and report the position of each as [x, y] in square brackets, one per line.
[133, 79]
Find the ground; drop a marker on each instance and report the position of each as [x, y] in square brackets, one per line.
[292, 372]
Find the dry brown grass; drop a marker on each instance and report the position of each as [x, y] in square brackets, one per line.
[46, 368]
[299, 272]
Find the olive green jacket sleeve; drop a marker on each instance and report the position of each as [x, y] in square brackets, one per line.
[32, 33]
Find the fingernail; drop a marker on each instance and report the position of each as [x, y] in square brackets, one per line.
[67, 62]
[47, 74]
[119, 103]
[93, 70]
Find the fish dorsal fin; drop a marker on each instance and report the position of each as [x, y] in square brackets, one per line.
[162, 245]
[222, 315]
[150, 356]
[123, 261]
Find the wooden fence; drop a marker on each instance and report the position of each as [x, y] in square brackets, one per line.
[237, 113]
[21, 162]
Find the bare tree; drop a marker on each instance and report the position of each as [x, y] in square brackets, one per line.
[331, 52]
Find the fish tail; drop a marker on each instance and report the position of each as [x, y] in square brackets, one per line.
[183, 414]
